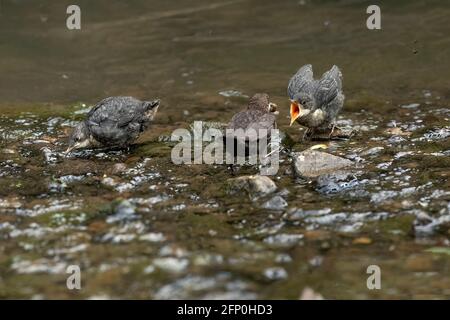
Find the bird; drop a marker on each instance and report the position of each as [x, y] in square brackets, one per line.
[113, 122]
[249, 127]
[259, 114]
[315, 104]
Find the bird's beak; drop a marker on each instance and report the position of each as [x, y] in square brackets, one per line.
[273, 108]
[295, 111]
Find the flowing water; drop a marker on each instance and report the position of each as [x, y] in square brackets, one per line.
[139, 226]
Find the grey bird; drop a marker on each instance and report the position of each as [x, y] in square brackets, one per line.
[113, 122]
[315, 104]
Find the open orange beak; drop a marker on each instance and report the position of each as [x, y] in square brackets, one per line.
[295, 111]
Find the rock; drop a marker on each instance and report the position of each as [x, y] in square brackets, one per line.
[283, 239]
[276, 203]
[336, 182]
[310, 294]
[255, 186]
[311, 164]
[118, 168]
[171, 264]
[411, 106]
[109, 182]
[372, 151]
[425, 225]
[124, 211]
[396, 131]
[276, 273]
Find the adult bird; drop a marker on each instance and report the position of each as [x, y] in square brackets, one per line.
[113, 122]
[315, 104]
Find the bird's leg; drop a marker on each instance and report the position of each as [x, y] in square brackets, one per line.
[308, 133]
[332, 130]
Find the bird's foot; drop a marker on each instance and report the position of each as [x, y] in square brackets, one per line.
[331, 133]
[308, 134]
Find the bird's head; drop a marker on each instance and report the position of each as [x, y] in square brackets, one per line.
[301, 106]
[79, 138]
[260, 101]
[151, 108]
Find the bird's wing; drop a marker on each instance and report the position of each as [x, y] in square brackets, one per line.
[267, 121]
[300, 81]
[116, 111]
[329, 86]
[241, 120]
[253, 119]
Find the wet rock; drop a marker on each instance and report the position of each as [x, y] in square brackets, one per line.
[118, 168]
[283, 239]
[372, 151]
[276, 273]
[49, 156]
[8, 151]
[296, 214]
[171, 264]
[424, 225]
[255, 186]
[122, 212]
[437, 134]
[411, 106]
[396, 131]
[276, 203]
[310, 294]
[109, 182]
[153, 237]
[311, 164]
[336, 182]
[383, 196]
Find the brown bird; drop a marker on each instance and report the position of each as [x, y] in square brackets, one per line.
[260, 115]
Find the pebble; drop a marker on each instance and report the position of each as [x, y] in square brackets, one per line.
[255, 186]
[276, 203]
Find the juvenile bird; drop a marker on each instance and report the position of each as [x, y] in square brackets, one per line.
[259, 114]
[113, 122]
[315, 104]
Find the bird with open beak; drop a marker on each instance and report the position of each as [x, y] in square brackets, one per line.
[315, 104]
[113, 122]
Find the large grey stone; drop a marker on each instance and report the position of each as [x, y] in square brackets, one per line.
[311, 164]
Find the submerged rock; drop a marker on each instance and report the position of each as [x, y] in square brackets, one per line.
[311, 164]
[276, 203]
[336, 182]
[255, 186]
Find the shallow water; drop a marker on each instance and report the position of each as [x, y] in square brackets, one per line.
[141, 227]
